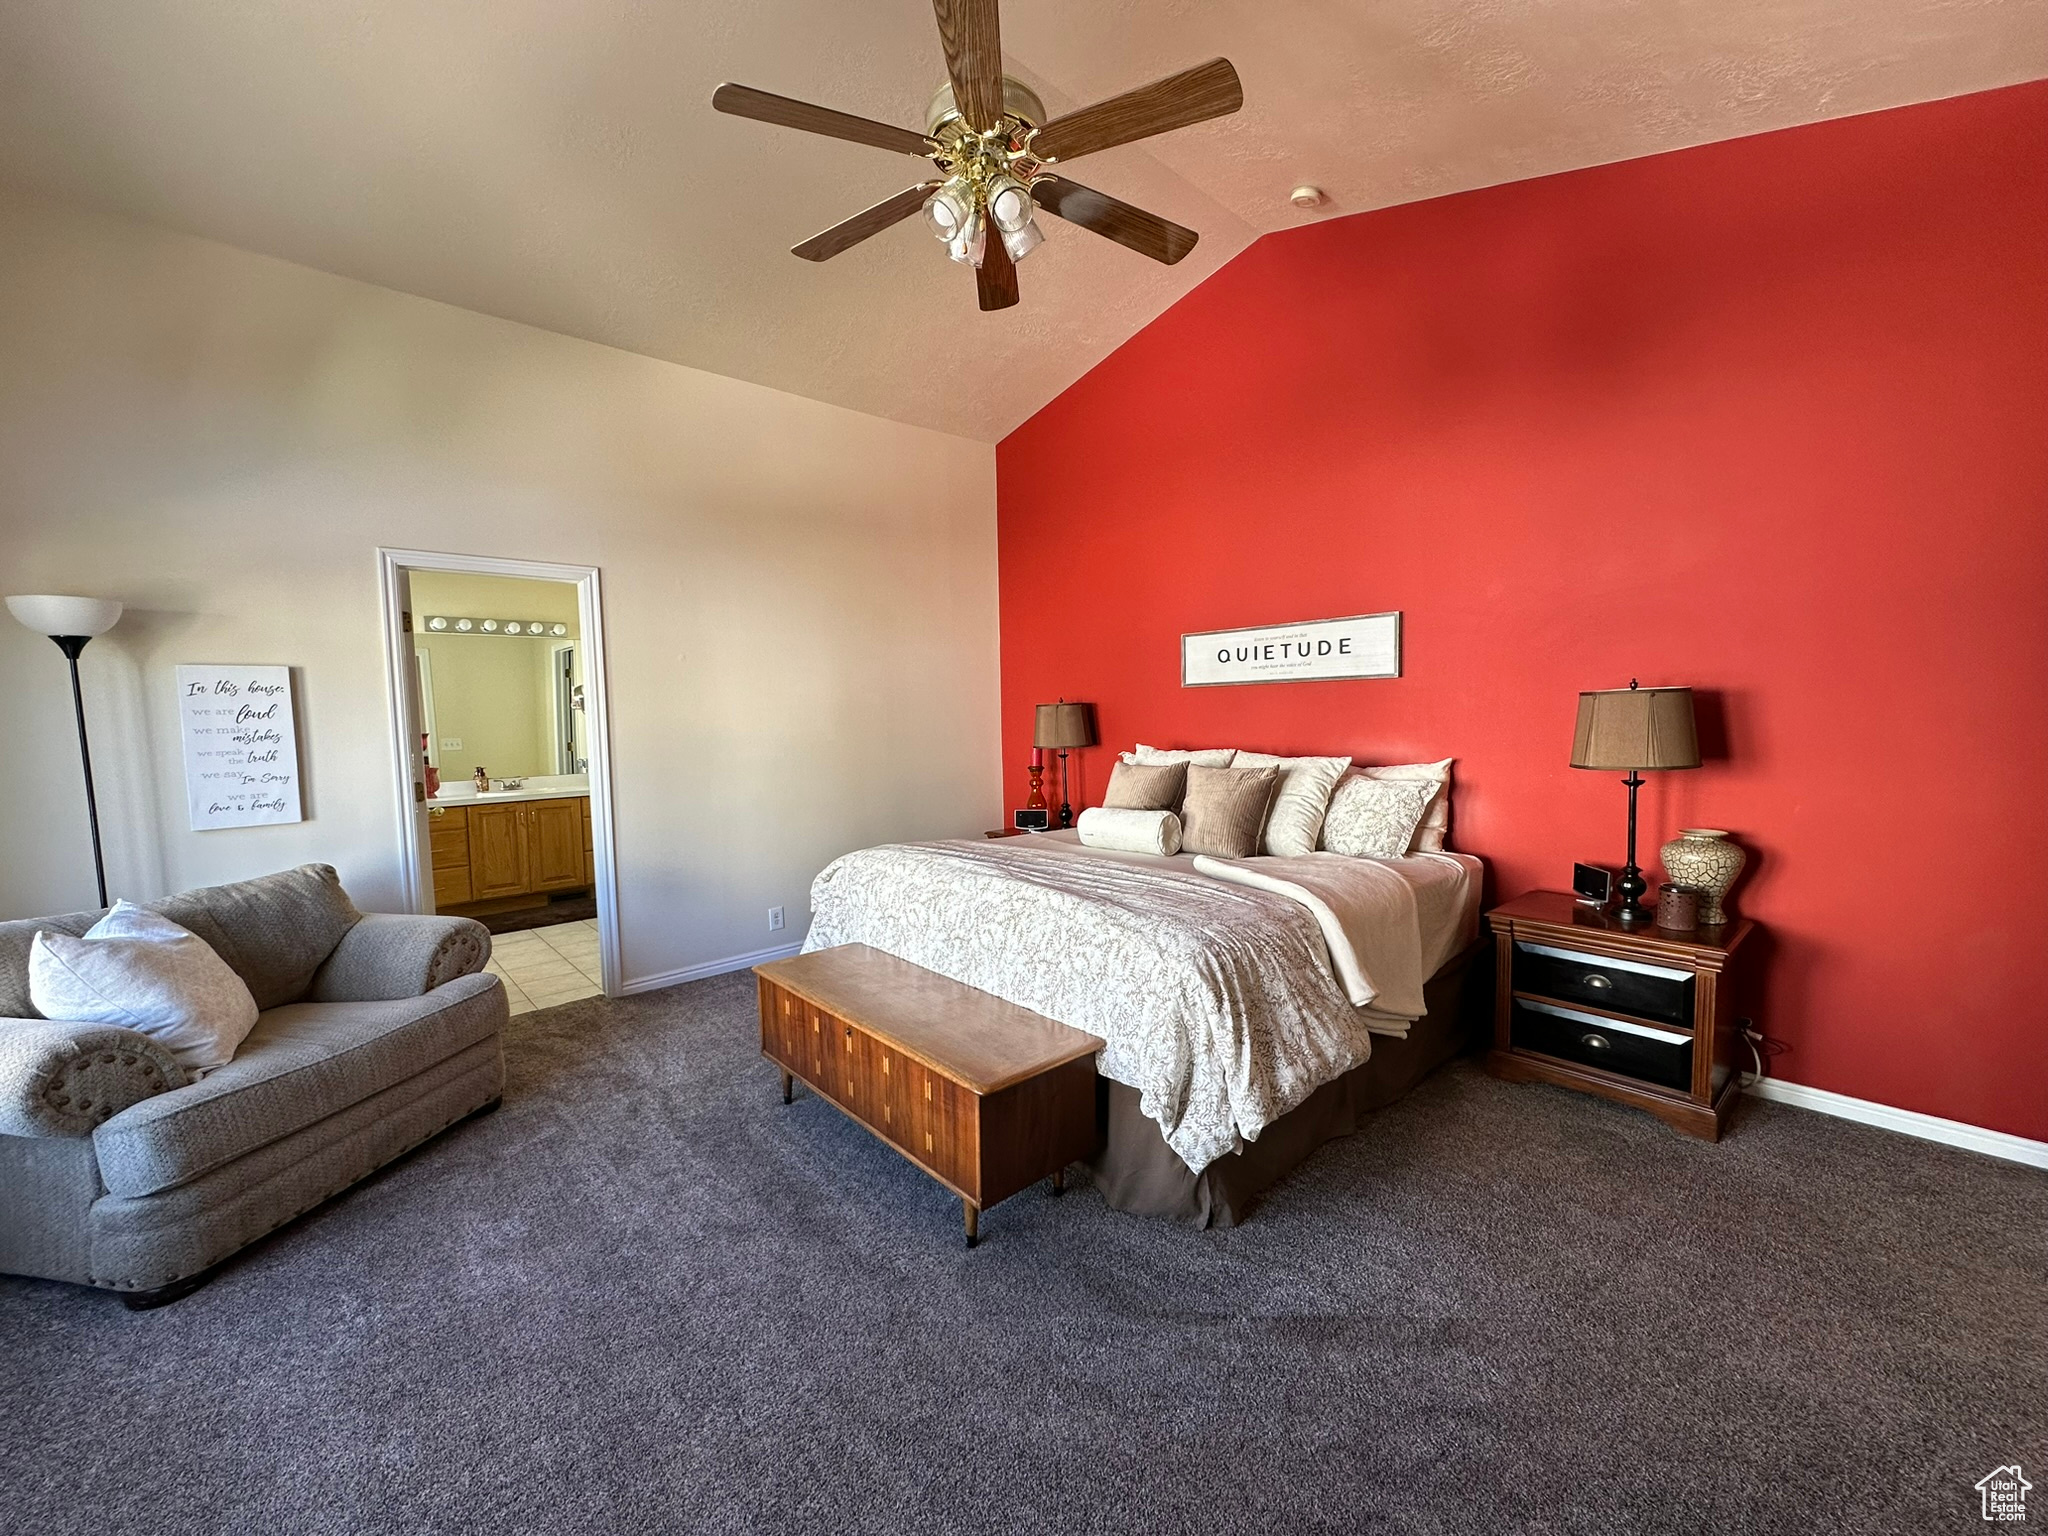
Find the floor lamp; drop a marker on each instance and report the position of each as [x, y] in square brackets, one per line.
[71, 622]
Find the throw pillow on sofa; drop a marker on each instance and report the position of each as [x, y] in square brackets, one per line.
[138, 970]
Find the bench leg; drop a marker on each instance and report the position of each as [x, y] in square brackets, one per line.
[972, 1214]
[788, 1088]
[1059, 1181]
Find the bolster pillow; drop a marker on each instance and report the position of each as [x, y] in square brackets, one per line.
[1130, 831]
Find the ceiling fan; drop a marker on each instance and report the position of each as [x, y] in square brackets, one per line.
[998, 159]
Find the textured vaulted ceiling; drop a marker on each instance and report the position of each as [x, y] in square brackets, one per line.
[557, 161]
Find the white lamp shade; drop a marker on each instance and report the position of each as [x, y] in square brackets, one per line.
[66, 615]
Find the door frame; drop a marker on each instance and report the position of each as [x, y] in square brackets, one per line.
[561, 701]
[415, 875]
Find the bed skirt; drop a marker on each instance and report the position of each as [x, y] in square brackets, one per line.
[1137, 1171]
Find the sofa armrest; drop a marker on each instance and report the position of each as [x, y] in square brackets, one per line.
[60, 1079]
[386, 957]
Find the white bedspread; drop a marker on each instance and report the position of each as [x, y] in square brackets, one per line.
[1220, 1000]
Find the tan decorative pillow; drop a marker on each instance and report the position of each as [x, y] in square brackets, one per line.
[1224, 809]
[1375, 818]
[1154, 788]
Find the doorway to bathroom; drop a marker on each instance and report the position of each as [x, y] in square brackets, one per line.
[499, 737]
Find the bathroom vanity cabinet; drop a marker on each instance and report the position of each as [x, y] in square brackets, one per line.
[500, 853]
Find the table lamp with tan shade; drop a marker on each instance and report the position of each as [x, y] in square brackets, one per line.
[1635, 729]
[1063, 727]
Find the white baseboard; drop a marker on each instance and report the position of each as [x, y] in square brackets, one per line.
[1907, 1122]
[708, 968]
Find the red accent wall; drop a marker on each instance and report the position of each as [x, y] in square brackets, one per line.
[1768, 417]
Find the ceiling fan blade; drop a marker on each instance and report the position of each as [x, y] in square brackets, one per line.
[828, 243]
[787, 112]
[995, 280]
[1146, 233]
[972, 37]
[1192, 96]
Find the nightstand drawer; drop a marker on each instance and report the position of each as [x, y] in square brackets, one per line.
[1634, 1050]
[1625, 986]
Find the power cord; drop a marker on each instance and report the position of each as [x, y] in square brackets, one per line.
[1760, 1046]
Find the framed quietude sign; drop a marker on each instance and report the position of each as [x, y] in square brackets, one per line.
[1366, 646]
[241, 746]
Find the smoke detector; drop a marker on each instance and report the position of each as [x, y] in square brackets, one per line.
[1307, 197]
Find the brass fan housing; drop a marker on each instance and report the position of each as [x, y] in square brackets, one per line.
[1019, 101]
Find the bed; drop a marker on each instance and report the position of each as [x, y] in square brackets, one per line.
[1253, 1008]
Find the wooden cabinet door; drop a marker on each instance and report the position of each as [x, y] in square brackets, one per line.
[555, 844]
[498, 862]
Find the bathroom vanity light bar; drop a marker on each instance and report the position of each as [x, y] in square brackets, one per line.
[441, 625]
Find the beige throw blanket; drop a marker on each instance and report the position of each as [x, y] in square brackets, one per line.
[1367, 916]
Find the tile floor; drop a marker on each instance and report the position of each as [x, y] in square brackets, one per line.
[545, 966]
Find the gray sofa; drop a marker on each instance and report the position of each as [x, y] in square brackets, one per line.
[376, 1033]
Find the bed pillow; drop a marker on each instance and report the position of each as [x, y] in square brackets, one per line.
[1207, 757]
[1375, 818]
[1129, 831]
[1224, 810]
[1436, 821]
[137, 969]
[1298, 804]
[1152, 787]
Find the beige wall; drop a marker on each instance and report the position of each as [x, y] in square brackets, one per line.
[800, 600]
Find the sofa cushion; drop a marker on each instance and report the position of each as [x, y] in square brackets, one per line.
[274, 930]
[300, 1064]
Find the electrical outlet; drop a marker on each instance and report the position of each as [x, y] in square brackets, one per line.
[451, 743]
[775, 919]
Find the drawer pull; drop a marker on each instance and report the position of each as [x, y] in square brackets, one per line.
[1595, 1042]
[1592, 979]
[849, 1031]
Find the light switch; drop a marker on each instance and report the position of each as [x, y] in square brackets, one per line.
[451, 743]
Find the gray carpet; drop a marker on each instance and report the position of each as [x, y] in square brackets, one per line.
[646, 1297]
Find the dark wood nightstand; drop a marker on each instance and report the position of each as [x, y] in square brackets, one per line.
[1636, 1013]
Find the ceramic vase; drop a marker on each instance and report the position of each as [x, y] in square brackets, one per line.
[1705, 860]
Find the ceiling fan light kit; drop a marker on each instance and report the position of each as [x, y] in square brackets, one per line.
[995, 153]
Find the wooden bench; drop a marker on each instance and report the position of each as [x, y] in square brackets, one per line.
[986, 1097]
